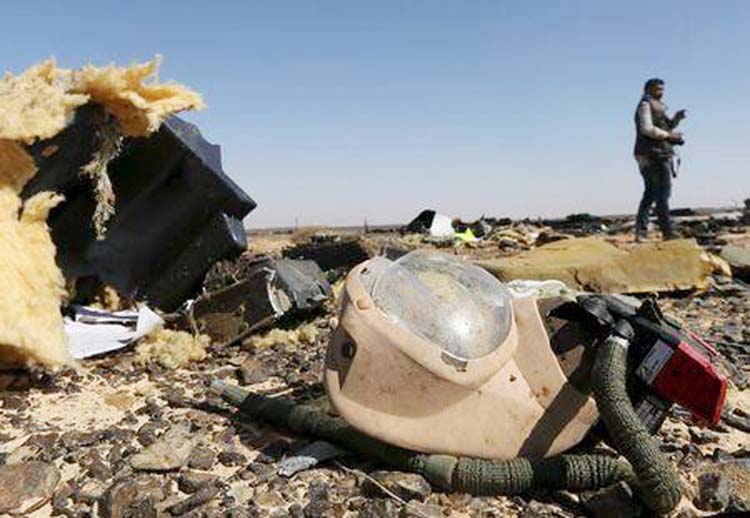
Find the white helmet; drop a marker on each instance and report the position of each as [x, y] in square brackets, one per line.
[434, 355]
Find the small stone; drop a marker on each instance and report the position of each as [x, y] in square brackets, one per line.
[62, 495]
[26, 486]
[147, 434]
[202, 458]
[295, 511]
[176, 398]
[131, 498]
[14, 403]
[713, 492]
[252, 371]
[407, 486]
[44, 440]
[319, 504]
[170, 452]
[699, 436]
[231, 457]
[379, 508]
[91, 492]
[239, 512]
[191, 481]
[615, 501]
[99, 470]
[736, 421]
[262, 472]
[152, 409]
[23, 453]
[200, 497]
[415, 509]
[269, 500]
[75, 440]
[539, 510]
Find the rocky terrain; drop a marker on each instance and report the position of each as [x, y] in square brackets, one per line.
[118, 438]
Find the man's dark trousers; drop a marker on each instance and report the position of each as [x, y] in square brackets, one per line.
[657, 177]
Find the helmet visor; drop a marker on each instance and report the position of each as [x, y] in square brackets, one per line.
[456, 305]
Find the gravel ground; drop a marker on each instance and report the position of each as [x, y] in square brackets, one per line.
[117, 439]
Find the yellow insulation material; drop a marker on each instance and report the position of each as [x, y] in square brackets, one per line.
[40, 102]
[31, 326]
[16, 166]
[139, 105]
[37, 104]
[171, 349]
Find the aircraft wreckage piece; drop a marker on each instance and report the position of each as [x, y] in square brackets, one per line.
[175, 211]
[591, 264]
[331, 252]
[36, 106]
[264, 291]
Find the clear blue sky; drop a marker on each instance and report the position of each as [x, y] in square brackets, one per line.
[333, 112]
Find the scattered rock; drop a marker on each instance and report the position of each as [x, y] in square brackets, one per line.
[535, 509]
[252, 371]
[91, 492]
[612, 502]
[202, 458]
[23, 453]
[407, 486]
[131, 498]
[191, 481]
[319, 504]
[99, 470]
[737, 421]
[699, 436]
[170, 452]
[415, 509]
[231, 457]
[76, 440]
[379, 508]
[269, 499]
[713, 492]
[147, 434]
[200, 497]
[26, 486]
[61, 497]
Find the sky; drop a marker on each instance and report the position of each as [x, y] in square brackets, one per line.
[337, 112]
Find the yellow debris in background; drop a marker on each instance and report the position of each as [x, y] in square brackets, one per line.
[34, 105]
[171, 349]
[591, 264]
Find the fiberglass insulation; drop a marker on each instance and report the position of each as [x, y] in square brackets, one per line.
[37, 105]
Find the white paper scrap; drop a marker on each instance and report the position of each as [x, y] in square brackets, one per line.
[92, 331]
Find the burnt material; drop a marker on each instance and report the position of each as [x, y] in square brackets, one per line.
[176, 212]
[330, 254]
[259, 292]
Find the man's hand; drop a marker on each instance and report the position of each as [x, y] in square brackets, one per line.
[675, 136]
[680, 115]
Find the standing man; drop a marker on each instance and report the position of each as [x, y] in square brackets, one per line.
[654, 143]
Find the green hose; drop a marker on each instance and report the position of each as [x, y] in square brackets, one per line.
[656, 482]
[454, 474]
